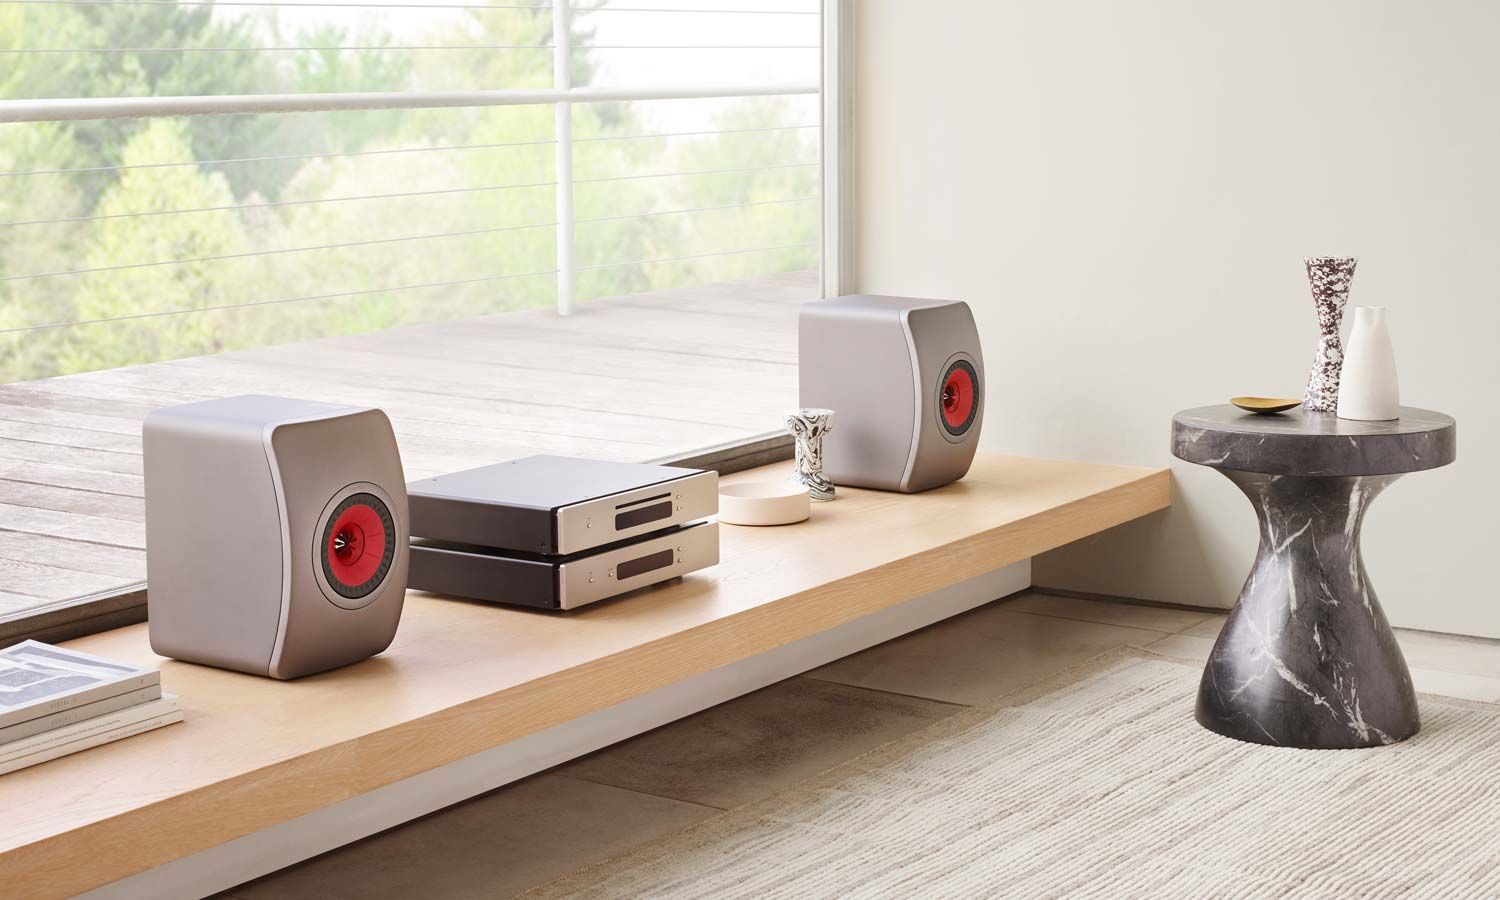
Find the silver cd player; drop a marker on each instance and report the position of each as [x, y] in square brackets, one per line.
[568, 582]
[557, 532]
[558, 505]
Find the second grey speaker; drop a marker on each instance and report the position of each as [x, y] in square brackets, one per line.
[905, 379]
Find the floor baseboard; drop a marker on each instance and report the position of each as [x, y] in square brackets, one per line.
[1117, 598]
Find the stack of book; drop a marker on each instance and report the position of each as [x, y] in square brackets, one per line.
[54, 702]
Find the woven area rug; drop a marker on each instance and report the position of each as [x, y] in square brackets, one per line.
[1098, 783]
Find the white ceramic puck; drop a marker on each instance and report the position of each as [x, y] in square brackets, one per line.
[763, 503]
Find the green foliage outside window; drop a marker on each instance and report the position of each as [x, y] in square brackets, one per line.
[474, 220]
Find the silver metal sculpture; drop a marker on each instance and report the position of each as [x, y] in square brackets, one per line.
[808, 427]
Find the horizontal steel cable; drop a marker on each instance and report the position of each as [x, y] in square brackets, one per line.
[252, 253]
[667, 259]
[405, 287]
[227, 306]
[402, 195]
[395, 240]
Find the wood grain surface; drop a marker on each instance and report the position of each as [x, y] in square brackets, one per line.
[464, 677]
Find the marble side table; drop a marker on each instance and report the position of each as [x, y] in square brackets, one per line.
[1307, 658]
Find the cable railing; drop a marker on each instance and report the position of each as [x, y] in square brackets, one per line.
[699, 209]
[562, 96]
[250, 254]
[271, 204]
[339, 295]
[473, 232]
[672, 259]
[404, 195]
[745, 170]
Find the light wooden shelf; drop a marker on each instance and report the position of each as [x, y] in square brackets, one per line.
[465, 677]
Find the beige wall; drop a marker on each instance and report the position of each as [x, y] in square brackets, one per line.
[1125, 191]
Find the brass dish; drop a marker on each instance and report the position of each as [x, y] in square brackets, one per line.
[1264, 406]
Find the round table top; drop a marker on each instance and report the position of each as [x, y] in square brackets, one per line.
[1298, 442]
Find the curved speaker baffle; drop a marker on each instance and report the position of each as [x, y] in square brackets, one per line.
[958, 397]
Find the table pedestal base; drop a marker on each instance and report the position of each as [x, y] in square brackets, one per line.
[1307, 658]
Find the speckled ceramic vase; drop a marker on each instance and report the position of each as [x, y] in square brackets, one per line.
[808, 427]
[1329, 277]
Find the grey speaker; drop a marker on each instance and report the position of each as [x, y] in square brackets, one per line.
[905, 379]
[276, 534]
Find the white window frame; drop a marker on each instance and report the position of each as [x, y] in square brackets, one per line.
[837, 18]
[837, 263]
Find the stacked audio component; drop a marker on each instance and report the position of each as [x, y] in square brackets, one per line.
[558, 533]
[904, 377]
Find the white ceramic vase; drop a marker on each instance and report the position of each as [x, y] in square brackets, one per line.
[1367, 386]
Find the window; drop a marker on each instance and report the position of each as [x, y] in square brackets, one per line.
[517, 227]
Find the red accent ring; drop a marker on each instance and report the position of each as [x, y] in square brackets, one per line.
[355, 546]
[958, 398]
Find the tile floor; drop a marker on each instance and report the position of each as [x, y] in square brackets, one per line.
[669, 779]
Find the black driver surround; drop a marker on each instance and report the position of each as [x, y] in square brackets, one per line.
[388, 524]
[968, 422]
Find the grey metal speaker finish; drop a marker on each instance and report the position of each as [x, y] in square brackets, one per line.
[879, 364]
[1307, 658]
[237, 496]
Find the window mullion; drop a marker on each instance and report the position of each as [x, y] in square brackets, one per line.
[562, 80]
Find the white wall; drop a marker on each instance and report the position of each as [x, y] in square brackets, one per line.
[1124, 191]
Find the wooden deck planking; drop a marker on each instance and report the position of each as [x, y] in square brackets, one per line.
[70, 500]
[43, 581]
[82, 438]
[72, 457]
[75, 555]
[73, 526]
[10, 602]
[379, 373]
[635, 378]
[84, 479]
[35, 395]
[109, 424]
[604, 362]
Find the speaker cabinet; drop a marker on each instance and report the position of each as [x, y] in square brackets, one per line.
[905, 379]
[276, 534]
